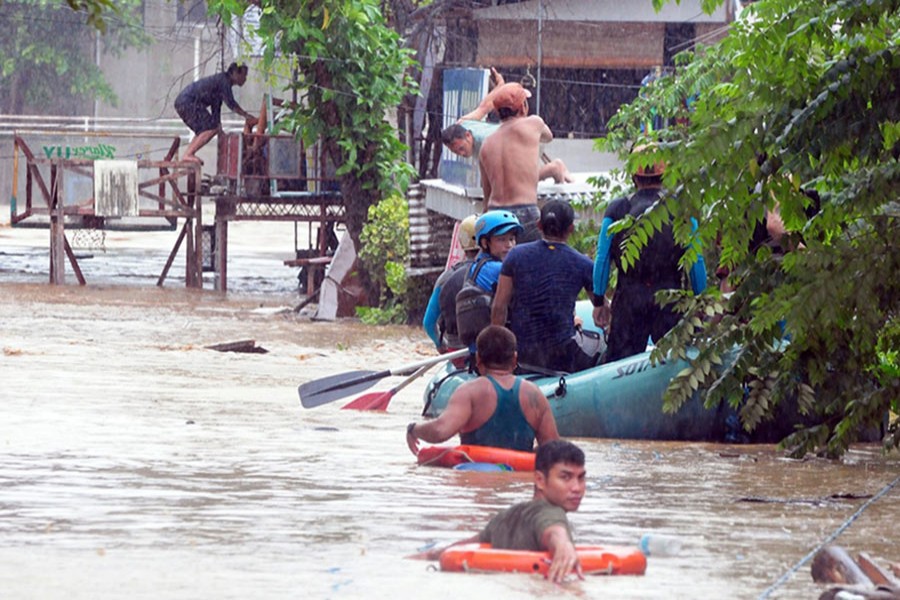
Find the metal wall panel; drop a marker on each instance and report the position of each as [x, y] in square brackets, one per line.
[116, 188]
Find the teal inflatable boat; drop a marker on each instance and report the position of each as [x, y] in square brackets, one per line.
[621, 400]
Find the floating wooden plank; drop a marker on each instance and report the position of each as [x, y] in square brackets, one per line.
[245, 346]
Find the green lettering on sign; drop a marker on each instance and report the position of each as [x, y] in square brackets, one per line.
[100, 151]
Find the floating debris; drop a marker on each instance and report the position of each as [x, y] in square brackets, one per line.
[245, 346]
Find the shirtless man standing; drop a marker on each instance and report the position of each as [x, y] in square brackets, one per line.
[509, 159]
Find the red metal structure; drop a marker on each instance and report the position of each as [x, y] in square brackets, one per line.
[274, 178]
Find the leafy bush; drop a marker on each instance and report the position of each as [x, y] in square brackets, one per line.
[384, 252]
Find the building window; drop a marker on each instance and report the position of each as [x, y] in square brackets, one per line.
[192, 11]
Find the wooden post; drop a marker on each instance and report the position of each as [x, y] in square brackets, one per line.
[190, 247]
[224, 209]
[194, 188]
[57, 232]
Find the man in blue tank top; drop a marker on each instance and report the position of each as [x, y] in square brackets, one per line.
[497, 409]
[539, 283]
[541, 524]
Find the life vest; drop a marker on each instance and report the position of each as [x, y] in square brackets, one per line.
[657, 265]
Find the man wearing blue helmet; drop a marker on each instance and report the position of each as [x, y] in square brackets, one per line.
[440, 314]
[495, 234]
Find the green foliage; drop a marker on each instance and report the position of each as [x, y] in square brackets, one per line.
[810, 88]
[887, 349]
[46, 52]
[395, 277]
[97, 11]
[350, 73]
[392, 312]
[584, 238]
[384, 252]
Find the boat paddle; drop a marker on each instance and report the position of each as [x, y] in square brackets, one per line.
[334, 387]
[380, 400]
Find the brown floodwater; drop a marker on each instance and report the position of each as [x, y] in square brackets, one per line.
[134, 462]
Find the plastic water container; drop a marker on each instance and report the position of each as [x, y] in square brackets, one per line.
[654, 544]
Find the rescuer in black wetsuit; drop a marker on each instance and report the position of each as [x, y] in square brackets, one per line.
[635, 315]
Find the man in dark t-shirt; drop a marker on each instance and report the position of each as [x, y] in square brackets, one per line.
[539, 284]
[200, 106]
[541, 523]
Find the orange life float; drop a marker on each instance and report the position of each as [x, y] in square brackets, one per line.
[595, 560]
[444, 456]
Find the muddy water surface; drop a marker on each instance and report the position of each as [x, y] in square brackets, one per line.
[134, 462]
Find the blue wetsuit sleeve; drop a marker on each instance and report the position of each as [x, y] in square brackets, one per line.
[698, 276]
[698, 269]
[601, 260]
[432, 315]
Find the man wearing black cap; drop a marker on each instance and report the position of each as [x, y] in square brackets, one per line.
[634, 315]
[539, 283]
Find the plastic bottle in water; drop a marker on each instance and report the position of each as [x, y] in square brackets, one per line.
[653, 544]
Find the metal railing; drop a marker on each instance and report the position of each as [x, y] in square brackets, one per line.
[10, 124]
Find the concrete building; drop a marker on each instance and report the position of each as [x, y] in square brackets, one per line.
[186, 45]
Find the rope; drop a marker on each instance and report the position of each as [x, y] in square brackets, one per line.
[828, 540]
[432, 393]
[445, 453]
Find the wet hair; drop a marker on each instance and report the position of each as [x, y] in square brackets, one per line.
[555, 452]
[556, 218]
[453, 133]
[496, 346]
[506, 112]
[234, 68]
[647, 180]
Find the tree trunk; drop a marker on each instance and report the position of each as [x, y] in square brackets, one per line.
[356, 199]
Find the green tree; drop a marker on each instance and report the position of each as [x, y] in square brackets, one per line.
[47, 53]
[801, 95]
[351, 73]
[97, 11]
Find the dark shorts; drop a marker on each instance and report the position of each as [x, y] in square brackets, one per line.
[635, 317]
[196, 116]
[566, 357]
[528, 215]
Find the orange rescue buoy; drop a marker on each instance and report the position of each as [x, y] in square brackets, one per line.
[444, 456]
[595, 560]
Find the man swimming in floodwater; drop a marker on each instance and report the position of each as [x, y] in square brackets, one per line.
[541, 524]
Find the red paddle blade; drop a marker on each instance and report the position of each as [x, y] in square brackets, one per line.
[372, 401]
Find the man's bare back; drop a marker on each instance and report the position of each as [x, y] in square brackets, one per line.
[509, 161]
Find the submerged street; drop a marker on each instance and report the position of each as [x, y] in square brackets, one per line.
[138, 463]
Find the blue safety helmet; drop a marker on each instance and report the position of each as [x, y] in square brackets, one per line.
[496, 222]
